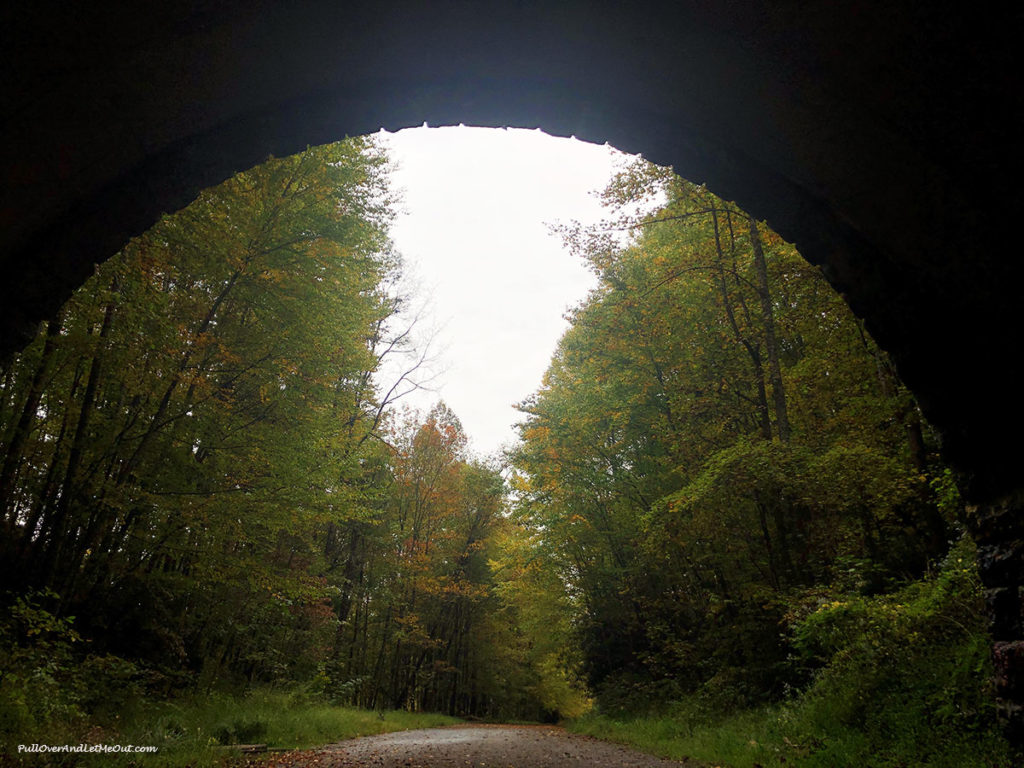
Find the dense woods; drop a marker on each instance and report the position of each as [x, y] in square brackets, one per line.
[715, 436]
[204, 485]
[741, 501]
[723, 493]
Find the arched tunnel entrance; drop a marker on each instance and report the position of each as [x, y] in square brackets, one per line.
[881, 139]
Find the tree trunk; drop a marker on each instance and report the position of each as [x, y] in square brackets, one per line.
[16, 443]
[57, 526]
[157, 422]
[763, 416]
[770, 341]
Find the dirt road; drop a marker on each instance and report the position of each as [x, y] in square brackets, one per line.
[476, 746]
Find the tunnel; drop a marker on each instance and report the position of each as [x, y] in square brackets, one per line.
[881, 138]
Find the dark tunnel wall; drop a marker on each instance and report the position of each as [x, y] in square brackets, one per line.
[880, 137]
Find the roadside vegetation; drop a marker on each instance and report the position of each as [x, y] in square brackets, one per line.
[726, 532]
[762, 558]
[899, 680]
[202, 730]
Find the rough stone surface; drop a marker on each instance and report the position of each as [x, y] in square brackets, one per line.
[1007, 607]
[998, 529]
[1009, 663]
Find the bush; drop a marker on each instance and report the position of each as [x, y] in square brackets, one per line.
[240, 731]
[39, 685]
[909, 673]
[896, 680]
[628, 692]
[50, 687]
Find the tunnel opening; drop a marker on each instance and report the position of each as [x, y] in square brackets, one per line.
[214, 445]
[880, 139]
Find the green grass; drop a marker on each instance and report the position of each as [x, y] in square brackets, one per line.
[779, 737]
[738, 742]
[897, 680]
[191, 732]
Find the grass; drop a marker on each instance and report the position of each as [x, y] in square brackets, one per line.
[896, 680]
[192, 732]
[737, 743]
[800, 734]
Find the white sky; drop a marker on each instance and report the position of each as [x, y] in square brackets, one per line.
[476, 203]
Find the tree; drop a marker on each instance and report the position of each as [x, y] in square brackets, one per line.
[180, 434]
[715, 435]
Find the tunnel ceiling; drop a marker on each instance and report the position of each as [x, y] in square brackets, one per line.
[880, 137]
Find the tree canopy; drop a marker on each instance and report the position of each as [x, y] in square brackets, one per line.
[716, 438]
[721, 491]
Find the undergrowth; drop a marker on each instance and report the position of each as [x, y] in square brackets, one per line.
[895, 681]
[195, 732]
[55, 692]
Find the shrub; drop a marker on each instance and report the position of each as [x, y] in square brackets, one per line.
[38, 681]
[908, 672]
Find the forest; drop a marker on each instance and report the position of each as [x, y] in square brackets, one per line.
[725, 514]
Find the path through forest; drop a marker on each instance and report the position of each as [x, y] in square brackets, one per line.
[474, 746]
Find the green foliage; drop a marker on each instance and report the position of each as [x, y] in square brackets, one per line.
[903, 667]
[723, 515]
[38, 684]
[196, 462]
[537, 629]
[194, 731]
[51, 686]
[900, 680]
[714, 435]
[425, 622]
[740, 504]
[193, 422]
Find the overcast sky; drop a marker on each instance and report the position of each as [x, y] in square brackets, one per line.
[473, 229]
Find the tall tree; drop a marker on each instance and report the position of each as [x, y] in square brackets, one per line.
[186, 426]
[711, 438]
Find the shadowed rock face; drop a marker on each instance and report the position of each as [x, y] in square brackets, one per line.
[880, 137]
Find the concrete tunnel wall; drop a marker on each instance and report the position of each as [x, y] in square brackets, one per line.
[880, 137]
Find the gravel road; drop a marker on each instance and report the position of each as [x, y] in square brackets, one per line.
[477, 746]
